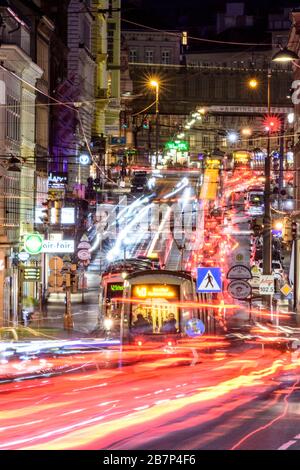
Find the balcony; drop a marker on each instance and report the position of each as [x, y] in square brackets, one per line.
[15, 31]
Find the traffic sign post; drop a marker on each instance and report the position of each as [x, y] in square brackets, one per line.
[194, 327]
[286, 289]
[209, 280]
[266, 286]
[55, 279]
[84, 256]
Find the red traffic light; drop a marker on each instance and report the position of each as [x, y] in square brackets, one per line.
[272, 123]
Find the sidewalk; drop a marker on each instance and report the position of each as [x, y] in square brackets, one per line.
[84, 308]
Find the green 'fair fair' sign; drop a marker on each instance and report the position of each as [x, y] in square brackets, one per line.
[33, 243]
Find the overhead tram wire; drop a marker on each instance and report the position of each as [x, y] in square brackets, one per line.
[230, 43]
[74, 109]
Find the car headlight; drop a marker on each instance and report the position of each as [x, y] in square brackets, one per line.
[108, 323]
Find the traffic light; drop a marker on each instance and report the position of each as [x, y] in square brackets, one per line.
[57, 212]
[146, 124]
[287, 232]
[123, 120]
[294, 230]
[46, 212]
[257, 227]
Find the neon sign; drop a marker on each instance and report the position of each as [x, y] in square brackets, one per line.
[155, 291]
[116, 287]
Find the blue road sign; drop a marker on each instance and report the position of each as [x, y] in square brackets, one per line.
[118, 140]
[194, 327]
[209, 280]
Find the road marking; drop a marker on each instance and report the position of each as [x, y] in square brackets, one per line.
[286, 445]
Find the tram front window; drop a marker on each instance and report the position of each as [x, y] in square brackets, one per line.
[114, 290]
[156, 312]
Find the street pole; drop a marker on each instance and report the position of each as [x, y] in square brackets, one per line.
[281, 163]
[68, 319]
[83, 279]
[267, 234]
[157, 122]
[295, 286]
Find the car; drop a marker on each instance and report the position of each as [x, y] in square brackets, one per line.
[277, 269]
[139, 181]
[276, 255]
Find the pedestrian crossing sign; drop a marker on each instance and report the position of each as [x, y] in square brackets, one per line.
[209, 280]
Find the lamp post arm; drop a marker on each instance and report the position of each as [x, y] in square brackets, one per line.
[269, 91]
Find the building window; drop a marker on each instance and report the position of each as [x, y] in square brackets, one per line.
[192, 140]
[231, 88]
[110, 7]
[12, 130]
[110, 42]
[205, 141]
[132, 55]
[85, 34]
[218, 87]
[43, 58]
[165, 57]
[149, 56]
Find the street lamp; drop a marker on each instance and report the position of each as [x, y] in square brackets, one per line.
[155, 84]
[253, 83]
[232, 137]
[246, 131]
[284, 55]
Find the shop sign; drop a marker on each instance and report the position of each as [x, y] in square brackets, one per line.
[83, 255]
[32, 273]
[59, 246]
[266, 286]
[23, 256]
[239, 289]
[57, 180]
[239, 271]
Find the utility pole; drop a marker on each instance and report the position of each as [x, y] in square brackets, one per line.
[267, 234]
[281, 163]
[155, 84]
[295, 245]
[68, 319]
[157, 124]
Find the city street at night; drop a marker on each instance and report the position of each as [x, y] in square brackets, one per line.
[149, 230]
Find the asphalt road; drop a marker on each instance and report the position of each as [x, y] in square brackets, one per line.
[230, 399]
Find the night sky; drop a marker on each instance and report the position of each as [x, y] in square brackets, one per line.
[195, 14]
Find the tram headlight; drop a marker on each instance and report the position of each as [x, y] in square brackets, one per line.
[108, 323]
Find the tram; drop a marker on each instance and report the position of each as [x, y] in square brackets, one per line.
[157, 305]
[112, 284]
[242, 158]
